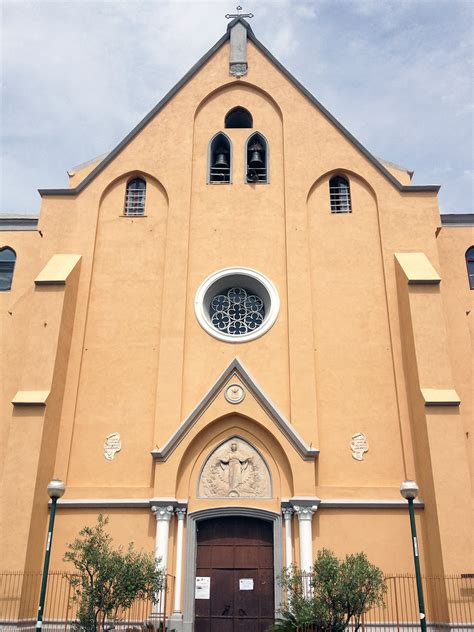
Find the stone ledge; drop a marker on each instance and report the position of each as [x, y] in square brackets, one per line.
[417, 268]
[30, 398]
[440, 397]
[57, 270]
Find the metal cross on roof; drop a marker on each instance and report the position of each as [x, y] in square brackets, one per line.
[239, 14]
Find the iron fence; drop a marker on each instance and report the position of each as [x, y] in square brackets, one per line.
[19, 594]
[448, 600]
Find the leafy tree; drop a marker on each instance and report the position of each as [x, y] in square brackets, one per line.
[336, 592]
[108, 580]
[299, 609]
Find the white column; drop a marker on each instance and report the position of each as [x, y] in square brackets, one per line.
[163, 516]
[180, 514]
[287, 515]
[305, 519]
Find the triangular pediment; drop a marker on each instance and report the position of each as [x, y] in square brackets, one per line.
[190, 74]
[238, 371]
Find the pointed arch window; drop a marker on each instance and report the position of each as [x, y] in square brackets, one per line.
[238, 117]
[135, 197]
[220, 160]
[470, 266]
[340, 195]
[7, 266]
[257, 159]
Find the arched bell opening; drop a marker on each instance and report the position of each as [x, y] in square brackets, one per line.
[238, 118]
[220, 160]
[256, 159]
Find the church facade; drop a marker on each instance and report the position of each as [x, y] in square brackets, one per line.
[240, 356]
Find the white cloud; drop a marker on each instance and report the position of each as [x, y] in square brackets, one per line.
[78, 75]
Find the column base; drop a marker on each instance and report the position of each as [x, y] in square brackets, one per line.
[175, 622]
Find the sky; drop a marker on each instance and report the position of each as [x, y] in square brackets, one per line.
[78, 75]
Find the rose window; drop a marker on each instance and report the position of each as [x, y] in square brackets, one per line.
[236, 304]
[236, 311]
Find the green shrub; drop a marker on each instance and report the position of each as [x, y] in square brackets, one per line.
[335, 592]
[108, 580]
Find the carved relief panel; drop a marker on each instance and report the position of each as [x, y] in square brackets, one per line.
[235, 470]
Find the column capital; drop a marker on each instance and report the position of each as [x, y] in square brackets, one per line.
[180, 513]
[163, 513]
[287, 512]
[305, 512]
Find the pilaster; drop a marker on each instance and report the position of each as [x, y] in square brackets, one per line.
[36, 412]
[287, 517]
[440, 455]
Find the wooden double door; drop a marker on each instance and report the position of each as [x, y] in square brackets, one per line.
[234, 575]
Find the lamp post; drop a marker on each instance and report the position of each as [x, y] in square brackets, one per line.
[409, 491]
[56, 489]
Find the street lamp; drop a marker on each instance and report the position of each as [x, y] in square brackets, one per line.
[409, 491]
[56, 489]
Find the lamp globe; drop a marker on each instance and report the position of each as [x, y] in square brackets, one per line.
[56, 488]
[409, 490]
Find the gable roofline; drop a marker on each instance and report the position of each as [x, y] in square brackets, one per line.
[70, 192]
[244, 23]
[236, 368]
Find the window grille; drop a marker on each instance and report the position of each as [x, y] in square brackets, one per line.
[135, 197]
[257, 159]
[236, 311]
[7, 266]
[470, 266]
[340, 195]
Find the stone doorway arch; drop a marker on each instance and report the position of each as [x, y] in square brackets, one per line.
[191, 549]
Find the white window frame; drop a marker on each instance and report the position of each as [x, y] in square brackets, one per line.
[230, 277]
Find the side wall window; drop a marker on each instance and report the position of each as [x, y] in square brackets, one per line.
[220, 160]
[470, 266]
[257, 159]
[340, 195]
[135, 197]
[7, 266]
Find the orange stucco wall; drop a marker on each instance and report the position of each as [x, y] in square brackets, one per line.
[348, 352]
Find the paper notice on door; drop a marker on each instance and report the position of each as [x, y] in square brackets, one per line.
[246, 584]
[203, 588]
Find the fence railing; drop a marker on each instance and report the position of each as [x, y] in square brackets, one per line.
[448, 600]
[19, 594]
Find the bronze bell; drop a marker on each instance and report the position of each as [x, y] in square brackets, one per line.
[221, 159]
[256, 157]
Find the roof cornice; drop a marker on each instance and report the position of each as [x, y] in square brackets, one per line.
[457, 219]
[71, 192]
